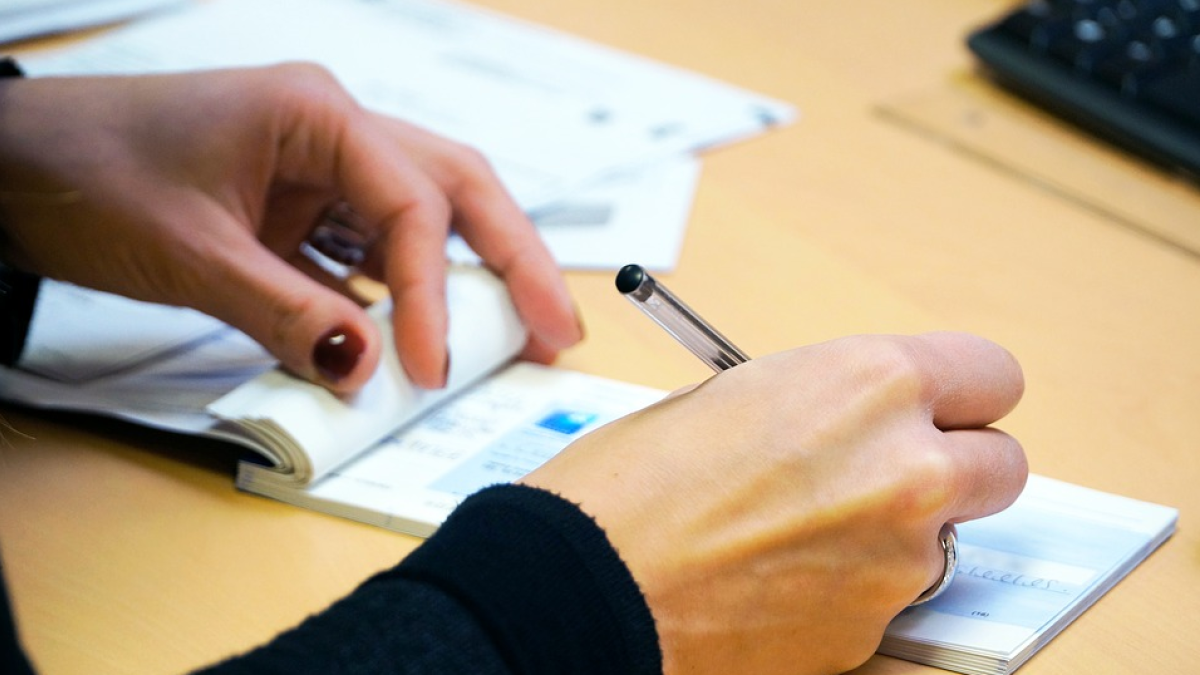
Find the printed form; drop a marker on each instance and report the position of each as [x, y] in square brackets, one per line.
[1027, 572]
[563, 121]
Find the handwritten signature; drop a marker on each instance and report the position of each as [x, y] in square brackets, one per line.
[1016, 579]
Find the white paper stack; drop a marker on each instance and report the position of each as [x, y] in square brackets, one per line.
[24, 19]
[1026, 573]
[597, 145]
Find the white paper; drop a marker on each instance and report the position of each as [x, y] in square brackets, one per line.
[163, 367]
[495, 432]
[21, 19]
[551, 112]
[73, 337]
[638, 216]
[142, 362]
[281, 412]
[578, 132]
[1027, 572]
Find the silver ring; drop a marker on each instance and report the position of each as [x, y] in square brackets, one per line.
[948, 536]
[340, 241]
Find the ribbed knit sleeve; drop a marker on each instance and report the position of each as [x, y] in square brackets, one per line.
[517, 580]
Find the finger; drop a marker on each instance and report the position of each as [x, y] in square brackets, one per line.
[411, 205]
[328, 143]
[412, 245]
[412, 219]
[967, 381]
[491, 223]
[314, 331]
[989, 472]
[494, 226]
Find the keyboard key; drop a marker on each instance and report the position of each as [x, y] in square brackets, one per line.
[1089, 44]
[1033, 17]
[1133, 66]
[1178, 93]
[1126, 69]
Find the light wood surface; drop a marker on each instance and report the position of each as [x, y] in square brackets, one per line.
[129, 551]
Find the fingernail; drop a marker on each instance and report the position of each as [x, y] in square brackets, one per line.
[337, 353]
[579, 325]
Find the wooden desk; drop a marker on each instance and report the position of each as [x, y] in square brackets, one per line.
[129, 551]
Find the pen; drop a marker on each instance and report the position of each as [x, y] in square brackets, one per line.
[678, 319]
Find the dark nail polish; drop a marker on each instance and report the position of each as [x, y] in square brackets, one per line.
[337, 353]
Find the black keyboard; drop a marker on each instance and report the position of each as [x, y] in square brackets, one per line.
[1128, 70]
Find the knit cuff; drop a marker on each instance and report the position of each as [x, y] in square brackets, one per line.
[544, 581]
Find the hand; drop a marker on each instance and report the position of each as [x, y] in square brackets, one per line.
[199, 189]
[779, 515]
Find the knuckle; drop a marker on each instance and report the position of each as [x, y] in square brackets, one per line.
[472, 161]
[287, 312]
[920, 485]
[931, 477]
[466, 168]
[426, 212]
[465, 156]
[304, 83]
[303, 73]
[892, 367]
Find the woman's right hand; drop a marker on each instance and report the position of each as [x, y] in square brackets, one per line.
[780, 514]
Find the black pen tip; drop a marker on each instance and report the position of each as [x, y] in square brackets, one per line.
[629, 278]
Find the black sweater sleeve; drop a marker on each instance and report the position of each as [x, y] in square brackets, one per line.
[12, 658]
[18, 297]
[517, 580]
[18, 290]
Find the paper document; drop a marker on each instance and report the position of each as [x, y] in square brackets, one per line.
[83, 354]
[306, 430]
[639, 215]
[1027, 572]
[73, 338]
[22, 19]
[552, 113]
[496, 432]
[391, 454]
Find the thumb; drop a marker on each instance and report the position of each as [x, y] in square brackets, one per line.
[314, 331]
